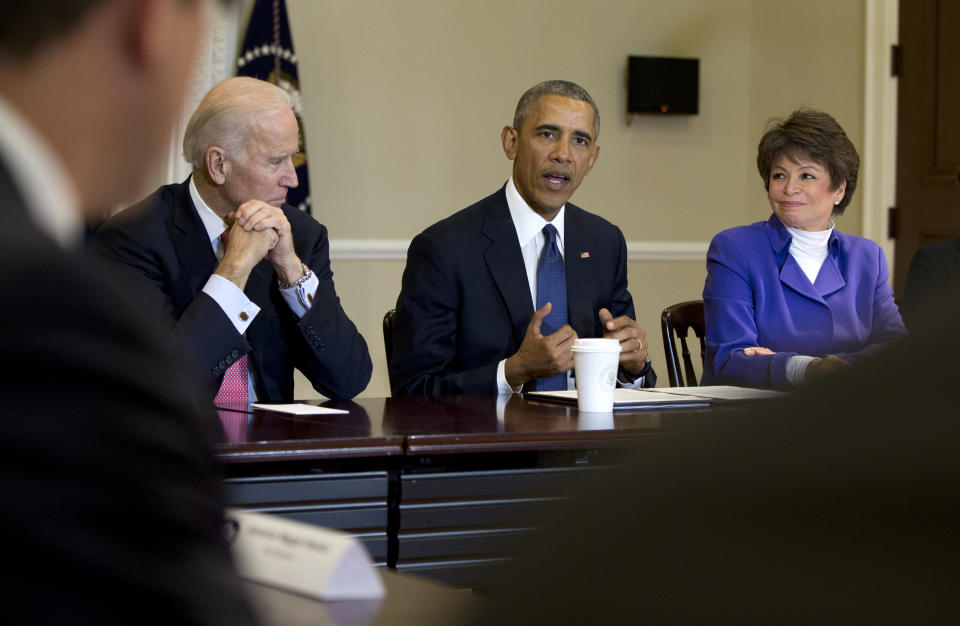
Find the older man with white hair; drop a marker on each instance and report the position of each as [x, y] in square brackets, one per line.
[244, 278]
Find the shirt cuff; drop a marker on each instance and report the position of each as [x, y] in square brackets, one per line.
[797, 368]
[637, 384]
[300, 299]
[502, 385]
[626, 380]
[237, 306]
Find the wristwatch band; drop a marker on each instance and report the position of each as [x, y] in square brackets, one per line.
[300, 281]
[628, 378]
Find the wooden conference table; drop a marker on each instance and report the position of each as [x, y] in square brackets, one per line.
[409, 600]
[447, 488]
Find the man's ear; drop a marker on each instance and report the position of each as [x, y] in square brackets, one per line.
[593, 159]
[509, 138]
[148, 34]
[161, 35]
[216, 165]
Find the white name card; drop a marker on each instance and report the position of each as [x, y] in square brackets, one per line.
[313, 561]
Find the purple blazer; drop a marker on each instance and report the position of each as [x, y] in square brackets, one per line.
[757, 295]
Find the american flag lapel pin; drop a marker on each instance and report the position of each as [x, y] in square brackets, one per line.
[584, 255]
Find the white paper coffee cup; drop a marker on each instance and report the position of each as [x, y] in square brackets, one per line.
[595, 363]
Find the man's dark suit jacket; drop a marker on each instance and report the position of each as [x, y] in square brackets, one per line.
[933, 279]
[110, 500]
[465, 300]
[162, 240]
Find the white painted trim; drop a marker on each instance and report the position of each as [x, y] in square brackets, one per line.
[879, 157]
[396, 250]
[369, 249]
[667, 250]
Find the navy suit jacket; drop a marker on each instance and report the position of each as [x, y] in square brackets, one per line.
[465, 300]
[163, 242]
[934, 278]
[111, 497]
[757, 295]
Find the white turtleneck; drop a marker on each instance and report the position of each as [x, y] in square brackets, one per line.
[809, 249]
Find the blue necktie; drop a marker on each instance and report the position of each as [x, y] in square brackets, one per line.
[552, 287]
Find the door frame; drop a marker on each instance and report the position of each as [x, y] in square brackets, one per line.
[879, 156]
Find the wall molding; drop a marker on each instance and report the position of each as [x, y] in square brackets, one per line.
[667, 250]
[878, 172]
[396, 250]
[369, 249]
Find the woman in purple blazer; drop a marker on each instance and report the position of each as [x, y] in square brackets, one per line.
[791, 299]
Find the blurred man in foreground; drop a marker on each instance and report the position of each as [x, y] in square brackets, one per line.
[111, 507]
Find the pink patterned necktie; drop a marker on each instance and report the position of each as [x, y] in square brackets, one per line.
[234, 385]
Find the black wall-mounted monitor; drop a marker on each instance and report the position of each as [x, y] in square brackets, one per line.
[663, 85]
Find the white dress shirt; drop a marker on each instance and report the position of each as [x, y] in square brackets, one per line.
[42, 179]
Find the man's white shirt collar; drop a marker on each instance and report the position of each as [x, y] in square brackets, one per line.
[528, 222]
[41, 178]
[212, 222]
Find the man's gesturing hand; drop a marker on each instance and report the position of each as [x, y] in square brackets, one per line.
[539, 356]
[632, 338]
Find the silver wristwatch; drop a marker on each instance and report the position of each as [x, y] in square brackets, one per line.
[300, 281]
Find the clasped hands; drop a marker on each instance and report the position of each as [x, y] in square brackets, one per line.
[541, 356]
[822, 367]
[259, 230]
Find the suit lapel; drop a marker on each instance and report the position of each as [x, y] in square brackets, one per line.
[11, 199]
[793, 277]
[576, 256]
[830, 280]
[189, 239]
[505, 262]
[21, 226]
[790, 273]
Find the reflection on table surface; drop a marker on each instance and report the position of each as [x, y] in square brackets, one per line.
[383, 426]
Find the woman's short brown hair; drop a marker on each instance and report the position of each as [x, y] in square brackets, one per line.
[816, 136]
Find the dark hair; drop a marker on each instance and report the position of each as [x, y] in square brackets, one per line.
[555, 88]
[813, 135]
[27, 26]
